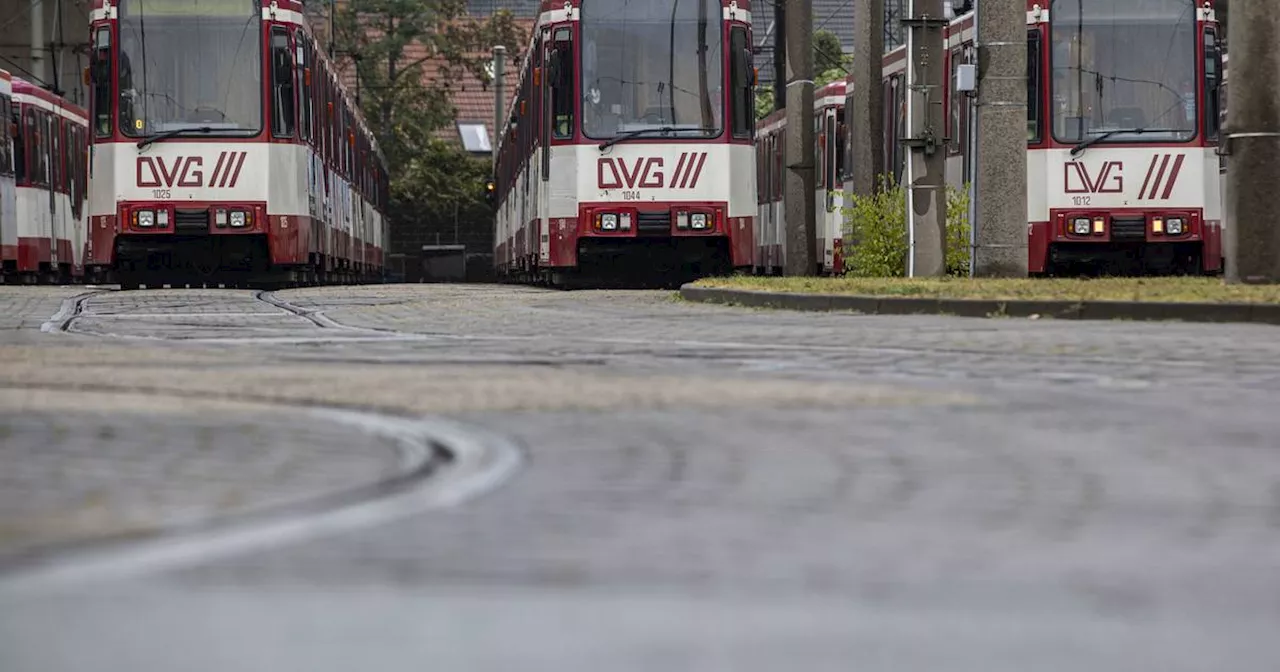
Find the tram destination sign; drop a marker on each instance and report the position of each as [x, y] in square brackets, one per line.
[212, 8]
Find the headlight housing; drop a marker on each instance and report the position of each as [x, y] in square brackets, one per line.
[1174, 226]
[1081, 226]
[239, 219]
[162, 218]
[220, 219]
[144, 218]
[698, 221]
[607, 221]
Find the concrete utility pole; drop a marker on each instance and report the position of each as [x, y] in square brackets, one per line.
[866, 127]
[499, 95]
[1253, 142]
[1000, 189]
[779, 55]
[39, 44]
[926, 167]
[799, 185]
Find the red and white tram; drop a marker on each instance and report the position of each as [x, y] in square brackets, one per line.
[43, 184]
[8, 190]
[628, 145]
[1123, 119]
[226, 149]
[829, 136]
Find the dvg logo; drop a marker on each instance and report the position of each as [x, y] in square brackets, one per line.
[650, 172]
[1109, 180]
[188, 171]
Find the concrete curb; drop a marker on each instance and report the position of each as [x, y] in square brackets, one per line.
[1069, 310]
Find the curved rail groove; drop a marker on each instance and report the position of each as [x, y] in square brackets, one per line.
[478, 462]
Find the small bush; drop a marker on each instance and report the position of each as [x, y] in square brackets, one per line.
[875, 232]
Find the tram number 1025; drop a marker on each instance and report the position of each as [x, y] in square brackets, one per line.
[161, 194]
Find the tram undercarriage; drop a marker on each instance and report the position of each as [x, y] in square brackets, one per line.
[636, 263]
[242, 261]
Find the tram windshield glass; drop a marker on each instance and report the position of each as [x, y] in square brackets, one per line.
[652, 65]
[190, 64]
[1124, 65]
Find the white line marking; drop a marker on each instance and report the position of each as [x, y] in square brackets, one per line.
[117, 316]
[482, 462]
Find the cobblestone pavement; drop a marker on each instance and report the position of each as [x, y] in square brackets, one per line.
[88, 467]
[714, 489]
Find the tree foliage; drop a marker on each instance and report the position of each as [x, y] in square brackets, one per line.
[405, 57]
[827, 51]
[875, 232]
[830, 64]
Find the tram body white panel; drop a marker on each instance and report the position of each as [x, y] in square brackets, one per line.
[35, 221]
[287, 180]
[626, 174]
[8, 212]
[1123, 177]
[8, 193]
[830, 209]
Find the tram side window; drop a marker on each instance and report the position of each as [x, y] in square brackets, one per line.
[75, 168]
[282, 97]
[6, 139]
[100, 74]
[820, 149]
[20, 153]
[846, 120]
[58, 154]
[562, 78]
[304, 87]
[1034, 118]
[1212, 78]
[742, 84]
[841, 148]
[31, 135]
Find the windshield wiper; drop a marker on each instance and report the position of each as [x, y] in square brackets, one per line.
[1136, 131]
[204, 130]
[665, 130]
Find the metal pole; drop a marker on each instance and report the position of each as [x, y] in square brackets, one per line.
[1000, 191]
[499, 96]
[1253, 142]
[780, 55]
[38, 47]
[971, 157]
[866, 122]
[926, 166]
[799, 184]
[333, 9]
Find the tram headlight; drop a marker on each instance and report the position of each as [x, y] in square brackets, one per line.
[607, 221]
[624, 222]
[239, 219]
[1081, 226]
[698, 221]
[162, 218]
[1173, 226]
[220, 219]
[144, 218]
